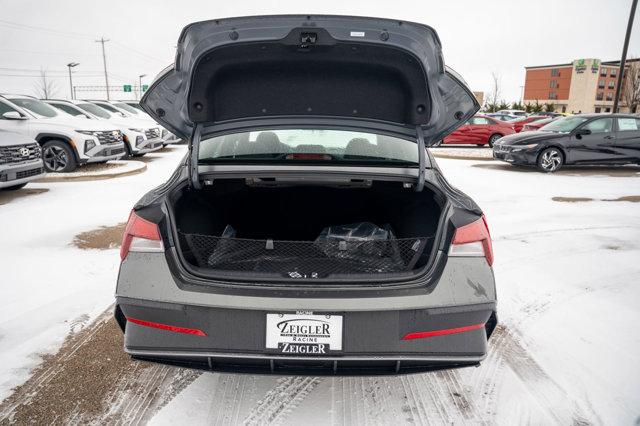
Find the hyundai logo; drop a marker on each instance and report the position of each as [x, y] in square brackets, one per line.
[24, 152]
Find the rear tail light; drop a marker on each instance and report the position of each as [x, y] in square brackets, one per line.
[140, 235]
[473, 240]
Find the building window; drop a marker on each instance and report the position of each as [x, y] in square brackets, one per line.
[614, 72]
[598, 109]
[612, 84]
[553, 84]
[601, 83]
[553, 95]
[607, 110]
[603, 72]
[609, 96]
[599, 96]
[555, 72]
[564, 108]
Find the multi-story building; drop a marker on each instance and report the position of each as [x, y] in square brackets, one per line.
[585, 85]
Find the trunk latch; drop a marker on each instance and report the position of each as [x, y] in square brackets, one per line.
[307, 39]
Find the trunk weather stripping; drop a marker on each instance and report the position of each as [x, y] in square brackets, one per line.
[194, 147]
[422, 160]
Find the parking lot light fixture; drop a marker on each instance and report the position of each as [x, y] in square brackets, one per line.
[69, 66]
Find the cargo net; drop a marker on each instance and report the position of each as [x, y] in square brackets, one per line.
[333, 253]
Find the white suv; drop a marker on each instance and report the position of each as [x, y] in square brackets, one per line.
[139, 135]
[66, 141]
[133, 108]
[155, 131]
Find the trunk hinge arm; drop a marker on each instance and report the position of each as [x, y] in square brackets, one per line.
[194, 149]
[422, 159]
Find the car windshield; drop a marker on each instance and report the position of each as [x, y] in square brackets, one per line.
[309, 145]
[563, 125]
[95, 110]
[128, 108]
[36, 106]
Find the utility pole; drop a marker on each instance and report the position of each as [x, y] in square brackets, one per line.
[634, 3]
[71, 65]
[140, 84]
[104, 62]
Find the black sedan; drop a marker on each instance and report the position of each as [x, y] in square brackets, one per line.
[580, 139]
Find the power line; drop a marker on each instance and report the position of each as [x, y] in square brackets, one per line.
[18, 26]
[139, 52]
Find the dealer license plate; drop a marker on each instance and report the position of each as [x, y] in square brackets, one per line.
[304, 333]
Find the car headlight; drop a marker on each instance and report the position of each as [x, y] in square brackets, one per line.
[523, 147]
[87, 132]
[89, 144]
[137, 130]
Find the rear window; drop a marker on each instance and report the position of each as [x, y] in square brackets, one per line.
[310, 145]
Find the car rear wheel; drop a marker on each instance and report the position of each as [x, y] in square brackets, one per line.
[494, 138]
[550, 160]
[58, 157]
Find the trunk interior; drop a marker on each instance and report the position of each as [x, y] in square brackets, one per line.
[259, 229]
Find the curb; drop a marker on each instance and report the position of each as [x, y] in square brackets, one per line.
[140, 167]
[461, 157]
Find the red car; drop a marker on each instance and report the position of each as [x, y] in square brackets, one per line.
[538, 123]
[480, 130]
[519, 123]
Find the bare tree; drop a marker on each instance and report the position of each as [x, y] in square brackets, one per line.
[45, 88]
[493, 97]
[631, 93]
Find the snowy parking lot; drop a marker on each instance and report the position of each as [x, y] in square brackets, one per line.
[567, 250]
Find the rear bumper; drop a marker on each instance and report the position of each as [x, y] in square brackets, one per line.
[372, 340]
[17, 174]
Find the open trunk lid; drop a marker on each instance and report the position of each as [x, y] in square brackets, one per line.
[337, 70]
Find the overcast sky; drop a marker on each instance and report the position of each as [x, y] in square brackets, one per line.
[478, 37]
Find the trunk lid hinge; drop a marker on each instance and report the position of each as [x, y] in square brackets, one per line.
[422, 159]
[194, 148]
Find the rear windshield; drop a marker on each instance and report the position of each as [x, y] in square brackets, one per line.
[310, 145]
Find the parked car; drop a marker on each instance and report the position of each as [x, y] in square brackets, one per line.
[308, 230]
[584, 139]
[139, 137]
[20, 160]
[516, 112]
[66, 141]
[168, 138]
[502, 117]
[552, 114]
[479, 130]
[535, 125]
[519, 123]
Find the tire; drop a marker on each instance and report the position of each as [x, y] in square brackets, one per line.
[15, 187]
[139, 154]
[128, 153]
[550, 160]
[493, 138]
[58, 157]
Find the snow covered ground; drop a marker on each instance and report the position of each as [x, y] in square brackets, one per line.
[48, 287]
[567, 274]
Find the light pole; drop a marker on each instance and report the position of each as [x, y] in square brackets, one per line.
[634, 3]
[71, 65]
[140, 84]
